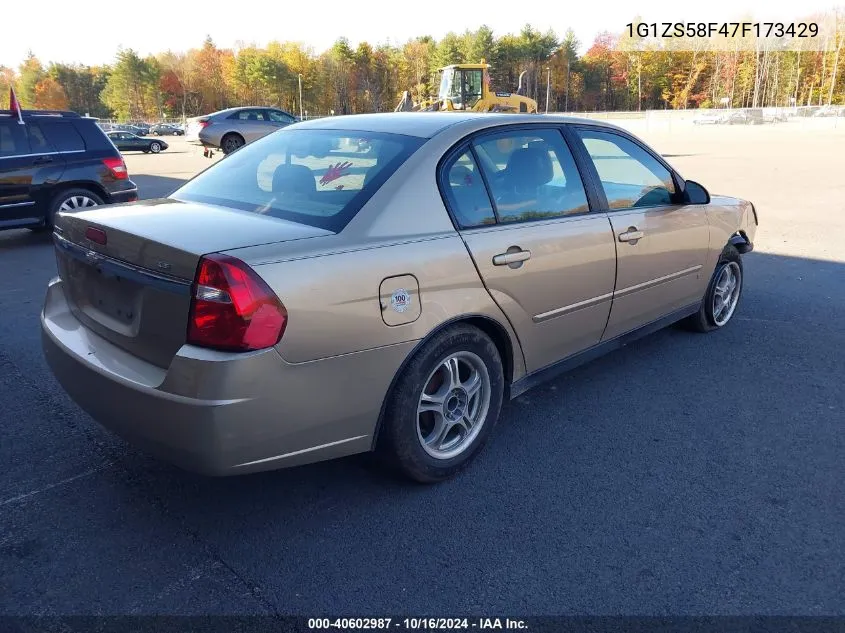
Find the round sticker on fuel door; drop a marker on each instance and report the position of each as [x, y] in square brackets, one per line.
[400, 300]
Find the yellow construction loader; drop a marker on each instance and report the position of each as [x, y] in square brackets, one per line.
[466, 87]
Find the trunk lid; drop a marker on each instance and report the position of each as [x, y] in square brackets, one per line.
[135, 289]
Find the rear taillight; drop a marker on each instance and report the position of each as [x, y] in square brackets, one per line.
[232, 308]
[204, 124]
[117, 168]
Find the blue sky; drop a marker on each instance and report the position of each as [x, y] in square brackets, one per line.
[91, 34]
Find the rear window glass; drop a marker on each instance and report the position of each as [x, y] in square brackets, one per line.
[94, 137]
[315, 177]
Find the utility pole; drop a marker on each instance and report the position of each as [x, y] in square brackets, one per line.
[835, 59]
[566, 107]
[548, 86]
[299, 76]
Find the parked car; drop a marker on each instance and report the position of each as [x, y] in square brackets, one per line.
[231, 129]
[709, 118]
[746, 117]
[829, 110]
[128, 142]
[294, 303]
[166, 129]
[56, 161]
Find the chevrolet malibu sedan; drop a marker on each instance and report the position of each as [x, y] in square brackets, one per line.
[313, 296]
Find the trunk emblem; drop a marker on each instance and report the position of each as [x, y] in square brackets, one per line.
[164, 266]
[92, 257]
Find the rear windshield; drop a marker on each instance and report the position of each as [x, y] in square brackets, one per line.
[315, 177]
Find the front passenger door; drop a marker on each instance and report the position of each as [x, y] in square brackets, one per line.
[279, 118]
[661, 245]
[546, 259]
[16, 169]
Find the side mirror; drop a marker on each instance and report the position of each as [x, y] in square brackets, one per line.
[695, 193]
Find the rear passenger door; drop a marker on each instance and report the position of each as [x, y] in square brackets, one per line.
[661, 243]
[49, 158]
[547, 260]
[252, 124]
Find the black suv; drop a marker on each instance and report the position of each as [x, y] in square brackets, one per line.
[56, 161]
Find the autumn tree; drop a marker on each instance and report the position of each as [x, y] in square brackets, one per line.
[82, 85]
[49, 95]
[29, 74]
[616, 72]
[132, 88]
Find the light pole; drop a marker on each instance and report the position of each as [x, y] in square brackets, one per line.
[548, 86]
[299, 76]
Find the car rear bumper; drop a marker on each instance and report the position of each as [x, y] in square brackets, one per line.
[216, 413]
[129, 193]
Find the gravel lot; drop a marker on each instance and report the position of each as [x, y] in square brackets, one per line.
[684, 474]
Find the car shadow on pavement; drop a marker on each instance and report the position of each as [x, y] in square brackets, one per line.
[23, 238]
[150, 186]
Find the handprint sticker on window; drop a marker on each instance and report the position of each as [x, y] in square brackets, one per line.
[334, 172]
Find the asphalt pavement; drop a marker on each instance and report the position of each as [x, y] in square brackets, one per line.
[683, 474]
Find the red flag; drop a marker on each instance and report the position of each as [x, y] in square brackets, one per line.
[14, 105]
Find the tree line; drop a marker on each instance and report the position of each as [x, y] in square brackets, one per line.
[612, 74]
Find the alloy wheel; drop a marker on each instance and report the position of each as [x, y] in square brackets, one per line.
[74, 203]
[453, 405]
[726, 293]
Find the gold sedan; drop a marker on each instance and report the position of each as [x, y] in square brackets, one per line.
[379, 282]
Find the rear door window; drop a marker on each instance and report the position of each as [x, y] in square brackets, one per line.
[464, 187]
[532, 175]
[38, 143]
[316, 177]
[250, 115]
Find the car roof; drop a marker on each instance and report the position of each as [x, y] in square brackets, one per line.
[429, 124]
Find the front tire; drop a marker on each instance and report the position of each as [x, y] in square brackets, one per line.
[723, 294]
[231, 142]
[155, 147]
[443, 406]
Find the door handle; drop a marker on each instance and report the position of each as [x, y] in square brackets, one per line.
[513, 257]
[42, 160]
[631, 235]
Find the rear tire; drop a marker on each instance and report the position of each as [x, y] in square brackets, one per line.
[444, 405]
[70, 200]
[231, 142]
[722, 296]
